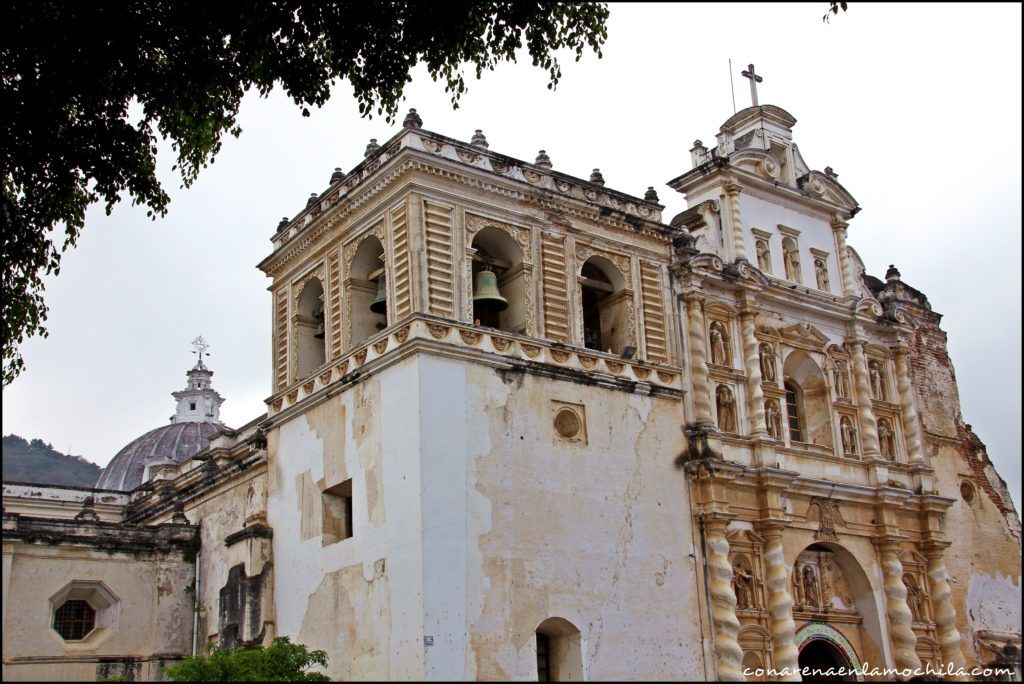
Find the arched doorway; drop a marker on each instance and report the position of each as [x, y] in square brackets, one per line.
[821, 661]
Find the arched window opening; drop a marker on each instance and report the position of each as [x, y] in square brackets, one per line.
[605, 306]
[368, 290]
[808, 405]
[499, 301]
[309, 330]
[559, 651]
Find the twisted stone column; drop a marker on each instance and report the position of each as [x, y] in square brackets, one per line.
[862, 385]
[911, 428]
[780, 606]
[728, 654]
[738, 248]
[942, 607]
[845, 268]
[698, 360]
[752, 364]
[904, 640]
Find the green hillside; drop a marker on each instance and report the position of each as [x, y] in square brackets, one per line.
[40, 463]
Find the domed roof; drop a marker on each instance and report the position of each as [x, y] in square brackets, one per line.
[176, 442]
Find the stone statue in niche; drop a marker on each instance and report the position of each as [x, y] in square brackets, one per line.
[719, 348]
[826, 585]
[885, 440]
[767, 363]
[798, 588]
[810, 583]
[915, 598]
[764, 256]
[848, 435]
[773, 419]
[839, 375]
[821, 274]
[743, 584]
[876, 381]
[791, 260]
[726, 409]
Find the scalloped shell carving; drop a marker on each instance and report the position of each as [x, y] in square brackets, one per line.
[531, 350]
[641, 373]
[439, 332]
[614, 367]
[586, 361]
[558, 355]
[666, 377]
[470, 337]
[501, 344]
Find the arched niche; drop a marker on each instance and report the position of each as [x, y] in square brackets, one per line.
[496, 250]
[363, 283]
[559, 651]
[853, 592]
[807, 398]
[604, 305]
[310, 345]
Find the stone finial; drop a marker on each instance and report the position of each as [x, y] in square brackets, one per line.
[596, 178]
[830, 173]
[313, 200]
[651, 195]
[479, 140]
[543, 160]
[697, 144]
[283, 223]
[88, 512]
[179, 517]
[892, 274]
[372, 147]
[412, 120]
[337, 175]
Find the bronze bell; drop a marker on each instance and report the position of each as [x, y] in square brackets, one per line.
[319, 316]
[485, 292]
[380, 302]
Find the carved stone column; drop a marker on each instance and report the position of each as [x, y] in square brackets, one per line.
[728, 654]
[942, 605]
[911, 427]
[779, 604]
[904, 640]
[698, 359]
[752, 364]
[862, 384]
[845, 267]
[735, 219]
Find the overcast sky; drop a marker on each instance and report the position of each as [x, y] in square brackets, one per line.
[916, 107]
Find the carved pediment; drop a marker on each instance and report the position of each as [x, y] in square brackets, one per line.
[744, 537]
[804, 335]
[827, 188]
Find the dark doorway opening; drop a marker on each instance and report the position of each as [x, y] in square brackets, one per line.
[820, 661]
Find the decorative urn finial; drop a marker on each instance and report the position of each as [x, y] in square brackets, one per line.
[543, 160]
[596, 178]
[651, 195]
[479, 140]
[412, 120]
[372, 147]
[337, 175]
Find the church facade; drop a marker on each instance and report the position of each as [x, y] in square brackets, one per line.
[522, 427]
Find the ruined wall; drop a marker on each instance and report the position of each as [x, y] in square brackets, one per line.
[152, 617]
[984, 561]
[522, 524]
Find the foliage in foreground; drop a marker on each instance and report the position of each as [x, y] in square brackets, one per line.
[69, 71]
[282, 661]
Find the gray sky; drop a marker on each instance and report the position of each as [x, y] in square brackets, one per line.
[916, 107]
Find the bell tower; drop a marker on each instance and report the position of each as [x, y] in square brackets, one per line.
[198, 402]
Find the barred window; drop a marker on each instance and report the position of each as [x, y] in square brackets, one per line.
[74, 619]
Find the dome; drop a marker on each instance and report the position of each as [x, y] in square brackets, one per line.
[176, 442]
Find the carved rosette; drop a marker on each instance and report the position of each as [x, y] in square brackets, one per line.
[780, 605]
[862, 383]
[942, 608]
[698, 360]
[752, 362]
[911, 429]
[728, 654]
[900, 618]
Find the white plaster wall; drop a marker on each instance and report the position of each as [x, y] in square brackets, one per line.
[994, 602]
[308, 574]
[595, 534]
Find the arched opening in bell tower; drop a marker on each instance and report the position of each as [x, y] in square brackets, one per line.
[499, 301]
[807, 400]
[367, 290]
[605, 306]
[311, 351]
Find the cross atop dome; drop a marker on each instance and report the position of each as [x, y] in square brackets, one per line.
[200, 349]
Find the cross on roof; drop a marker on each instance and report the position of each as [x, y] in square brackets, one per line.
[200, 347]
[754, 80]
